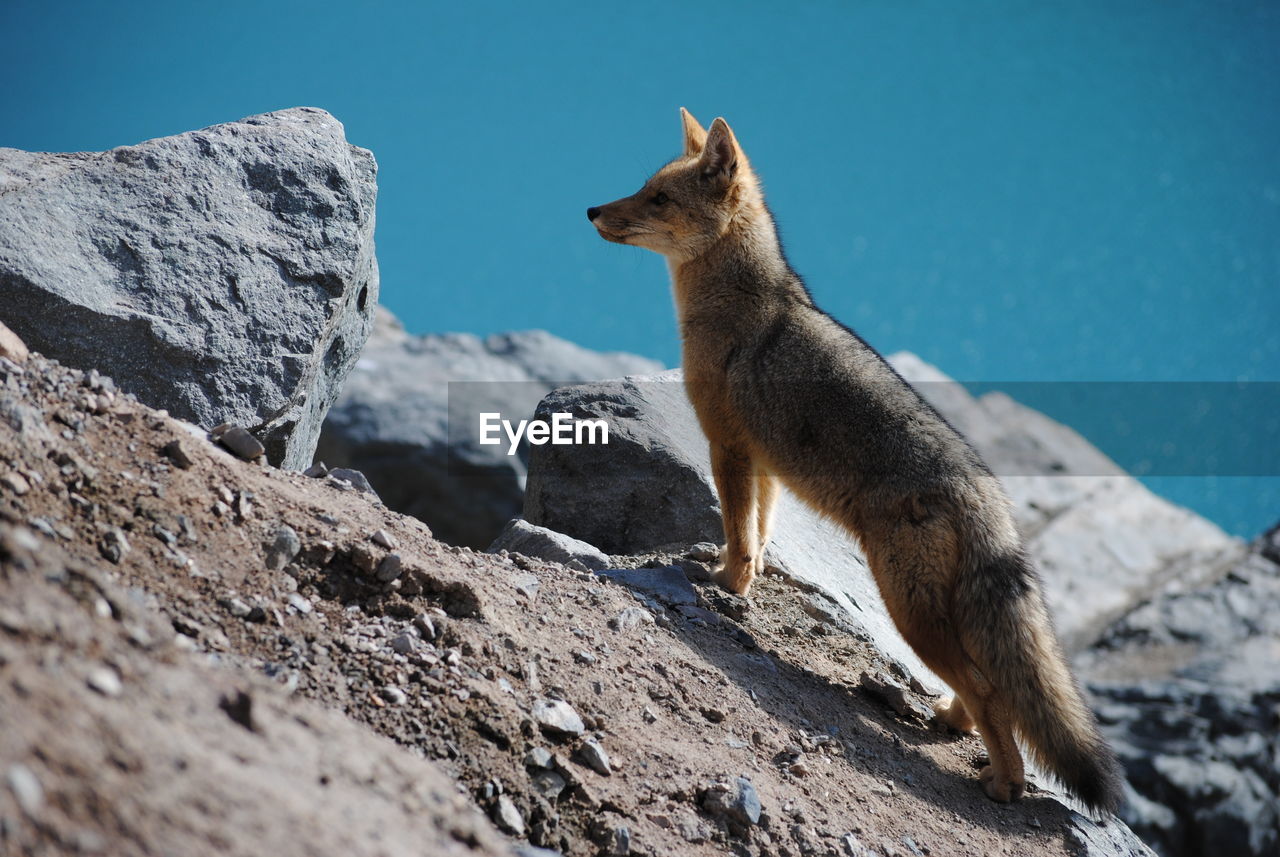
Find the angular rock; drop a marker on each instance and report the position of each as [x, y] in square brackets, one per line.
[238, 440]
[354, 478]
[404, 644]
[283, 546]
[225, 275]
[177, 453]
[26, 788]
[557, 717]
[114, 545]
[704, 552]
[389, 569]
[538, 757]
[393, 420]
[631, 617]
[894, 694]
[736, 801]
[105, 681]
[520, 536]
[508, 817]
[667, 584]
[594, 757]
[549, 784]
[654, 463]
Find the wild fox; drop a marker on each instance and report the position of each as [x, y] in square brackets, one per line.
[787, 394]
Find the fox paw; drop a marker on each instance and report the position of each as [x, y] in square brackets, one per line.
[951, 712]
[1000, 789]
[737, 581]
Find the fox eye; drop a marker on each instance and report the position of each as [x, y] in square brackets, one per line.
[660, 199]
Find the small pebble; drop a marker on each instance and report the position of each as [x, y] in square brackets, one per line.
[113, 545]
[105, 681]
[26, 788]
[557, 717]
[389, 569]
[16, 483]
[507, 817]
[283, 547]
[631, 617]
[405, 644]
[239, 441]
[237, 608]
[178, 454]
[538, 757]
[425, 626]
[704, 552]
[594, 757]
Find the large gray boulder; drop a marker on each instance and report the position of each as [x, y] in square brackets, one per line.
[1188, 689]
[408, 419]
[226, 275]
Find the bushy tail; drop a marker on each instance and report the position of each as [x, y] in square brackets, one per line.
[1009, 635]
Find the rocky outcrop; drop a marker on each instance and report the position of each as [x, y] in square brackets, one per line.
[1188, 689]
[520, 536]
[226, 275]
[393, 420]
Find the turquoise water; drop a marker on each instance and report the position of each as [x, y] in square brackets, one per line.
[1016, 192]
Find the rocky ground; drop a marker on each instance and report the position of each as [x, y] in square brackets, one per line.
[200, 654]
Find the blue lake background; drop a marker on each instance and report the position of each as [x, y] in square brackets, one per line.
[1016, 192]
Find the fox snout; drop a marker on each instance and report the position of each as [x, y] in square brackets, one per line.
[614, 221]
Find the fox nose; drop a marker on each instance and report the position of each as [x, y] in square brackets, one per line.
[593, 213]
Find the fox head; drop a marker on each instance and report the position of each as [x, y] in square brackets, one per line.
[691, 203]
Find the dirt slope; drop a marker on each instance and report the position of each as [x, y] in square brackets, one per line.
[478, 662]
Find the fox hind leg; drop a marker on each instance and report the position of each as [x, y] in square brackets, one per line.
[1003, 780]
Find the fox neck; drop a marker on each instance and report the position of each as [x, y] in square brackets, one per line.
[746, 261]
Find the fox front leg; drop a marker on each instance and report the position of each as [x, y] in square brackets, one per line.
[736, 484]
[766, 496]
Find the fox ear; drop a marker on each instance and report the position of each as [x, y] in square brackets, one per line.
[695, 136]
[720, 154]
